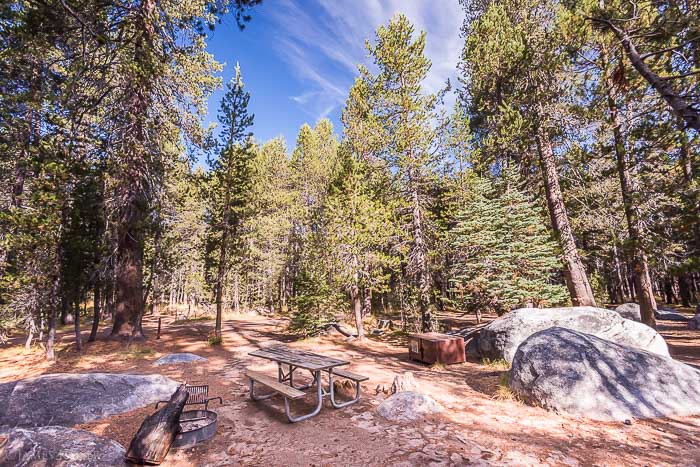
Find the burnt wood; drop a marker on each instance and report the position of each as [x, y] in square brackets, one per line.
[151, 443]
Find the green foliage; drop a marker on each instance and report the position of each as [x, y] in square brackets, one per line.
[504, 255]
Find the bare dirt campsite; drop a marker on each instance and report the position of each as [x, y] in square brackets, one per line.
[481, 424]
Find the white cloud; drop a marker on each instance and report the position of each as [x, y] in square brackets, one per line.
[323, 41]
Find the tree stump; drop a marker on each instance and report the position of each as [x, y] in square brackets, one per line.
[152, 442]
[404, 382]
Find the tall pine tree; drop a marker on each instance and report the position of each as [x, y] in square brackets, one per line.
[231, 179]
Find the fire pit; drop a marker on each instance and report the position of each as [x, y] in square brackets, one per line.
[195, 426]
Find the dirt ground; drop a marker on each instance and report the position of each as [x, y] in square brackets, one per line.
[476, 428]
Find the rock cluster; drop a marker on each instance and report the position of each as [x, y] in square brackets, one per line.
[501, 338]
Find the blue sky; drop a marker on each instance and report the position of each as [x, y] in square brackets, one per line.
[299, 57]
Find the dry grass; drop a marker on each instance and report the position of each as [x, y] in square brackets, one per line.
[137, 352]
[504, 392]
[496, 364]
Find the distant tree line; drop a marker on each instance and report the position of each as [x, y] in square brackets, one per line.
[566, 173]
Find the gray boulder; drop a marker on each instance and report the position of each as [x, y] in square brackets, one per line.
[669, 314]
[583, 375]
[59, 446]
[630, 311]
[694, 322]
[407, 406]
[68, 399]
[501, 338]
[175, 358]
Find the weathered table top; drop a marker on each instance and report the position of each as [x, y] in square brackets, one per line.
[298, 358]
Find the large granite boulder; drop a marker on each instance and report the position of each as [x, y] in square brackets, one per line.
[407, 406]
[630, 311]
[58, 446]
[501, 338]
[67, 399]
[583, 375]
[176, 358]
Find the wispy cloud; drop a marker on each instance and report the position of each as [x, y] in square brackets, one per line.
[323, 42]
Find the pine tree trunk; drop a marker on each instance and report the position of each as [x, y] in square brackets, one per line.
[131, 191]
[684, 290]
[689, 166]
[97, 299]
[32, 329]
[640, 267]
[419, 262]
[236, 294]
[356, 299]
[109, 291]
[51, 335]
[574, 271]
[678, 103]
[620, 282]
[76, 322]
[221, 272]
[129, 271]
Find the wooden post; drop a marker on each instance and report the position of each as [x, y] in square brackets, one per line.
[152, 442]
[158, 333]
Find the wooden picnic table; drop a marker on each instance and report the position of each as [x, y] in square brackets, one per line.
[289, 360]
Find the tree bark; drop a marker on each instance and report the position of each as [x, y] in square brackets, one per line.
[574, 271]
[97, 300]
[689, 164]
[156, 434]
[419, 262]
[133, 181]
[221, 272]
[236, 294]
[76, 322]
[356, 299]
[51, 335]
[640, 266]
[684, 290]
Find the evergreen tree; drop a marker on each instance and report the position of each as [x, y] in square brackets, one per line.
[231, 179]
[515, 64]
[504, 256]
[389, 117]
[360, 230]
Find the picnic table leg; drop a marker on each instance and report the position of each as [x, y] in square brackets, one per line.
[259, 398]
[282, 377]
[340, 405]
[319, 394]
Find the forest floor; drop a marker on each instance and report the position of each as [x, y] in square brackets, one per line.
[478, 427]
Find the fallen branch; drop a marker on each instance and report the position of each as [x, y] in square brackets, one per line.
[152, 442]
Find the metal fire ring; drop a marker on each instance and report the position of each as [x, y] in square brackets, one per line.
[188, 437]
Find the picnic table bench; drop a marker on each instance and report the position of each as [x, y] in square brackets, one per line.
[288, 361]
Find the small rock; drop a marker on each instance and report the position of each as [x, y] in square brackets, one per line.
[404, 382]
[408, 406]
